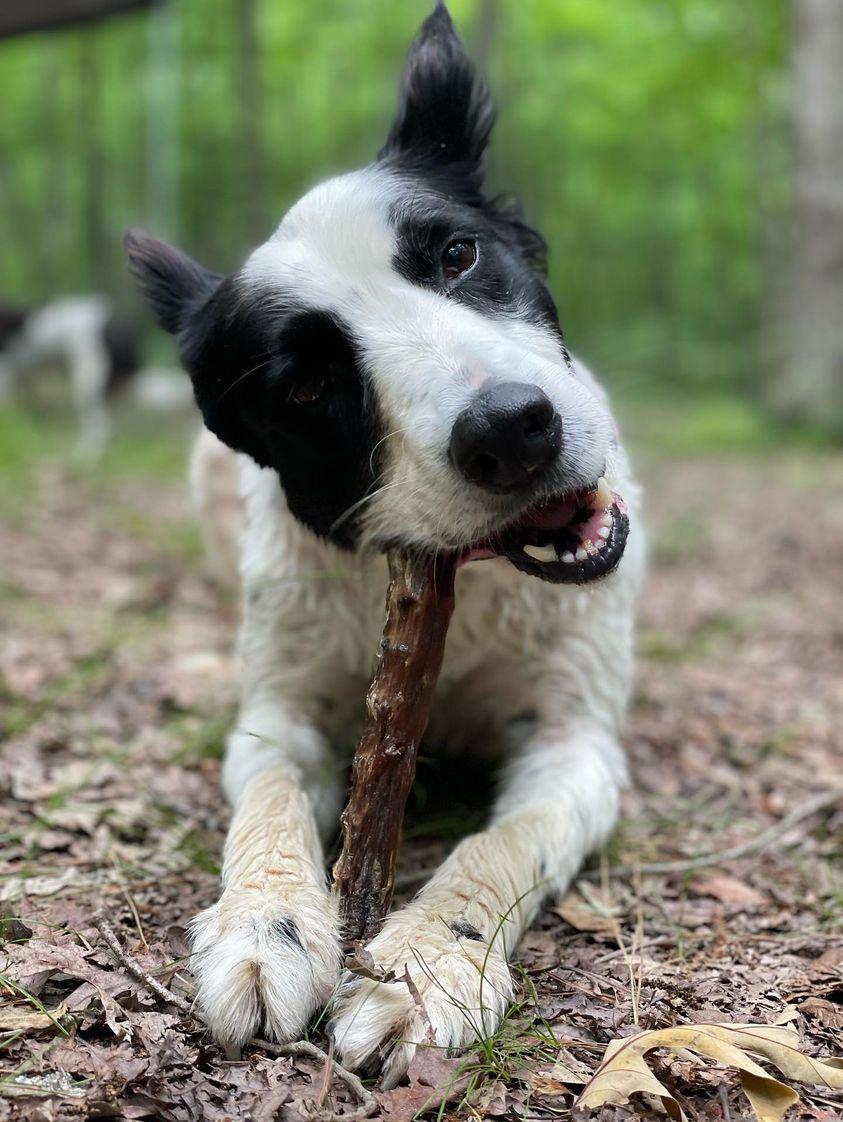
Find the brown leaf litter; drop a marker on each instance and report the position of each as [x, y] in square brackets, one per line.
[117, 685]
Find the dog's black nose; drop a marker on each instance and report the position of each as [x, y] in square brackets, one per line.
[507, 434]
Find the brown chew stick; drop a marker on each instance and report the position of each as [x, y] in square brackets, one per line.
[419, 605]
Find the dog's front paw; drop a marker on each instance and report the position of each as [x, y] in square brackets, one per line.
[264, 962]
[459, 989]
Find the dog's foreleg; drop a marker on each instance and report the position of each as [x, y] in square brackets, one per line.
[88, 369]
[559, 801]
[266, 955]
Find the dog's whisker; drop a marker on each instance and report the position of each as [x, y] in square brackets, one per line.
[367, 499]
[383, 440]
[373, 533]
[243, 377]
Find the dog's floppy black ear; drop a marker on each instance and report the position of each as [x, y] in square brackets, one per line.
[445, 114]
[172, 282]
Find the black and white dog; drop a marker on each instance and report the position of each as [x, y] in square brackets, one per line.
[391, 368]
[96, 346]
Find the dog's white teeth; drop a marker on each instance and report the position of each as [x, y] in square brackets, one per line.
[606, 520]
[604, 494]
[581, 554]
[603, 532]
[541, 552]
[568, 557]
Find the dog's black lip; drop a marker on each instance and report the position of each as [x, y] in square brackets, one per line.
[530, 529]
[592, 568]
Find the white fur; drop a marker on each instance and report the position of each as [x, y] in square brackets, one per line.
[311, 624]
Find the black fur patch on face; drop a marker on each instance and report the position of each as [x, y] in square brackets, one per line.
[508, 276]
[286, 385]
[438, 145]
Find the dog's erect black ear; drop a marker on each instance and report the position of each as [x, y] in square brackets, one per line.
[172, 282]
[446, 113]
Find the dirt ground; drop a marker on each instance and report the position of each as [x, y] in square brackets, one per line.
[117, 683]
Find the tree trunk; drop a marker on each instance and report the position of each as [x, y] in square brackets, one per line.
[163, 123]
[808, 385]
[94, 170]
[51, 249]
[250, 112]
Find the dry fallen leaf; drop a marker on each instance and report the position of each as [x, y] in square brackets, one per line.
[16, 887]
[433, 1078]
[567, 1072]
[624, 1071]
[23, 1018]
[359, 961]
[593, 915]
[830, 959]
[729, 890]
[569, 1069]
[827, 1013]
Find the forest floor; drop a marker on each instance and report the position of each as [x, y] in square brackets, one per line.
[117, 686]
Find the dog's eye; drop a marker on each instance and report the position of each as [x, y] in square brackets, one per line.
[458, 258]
[310, 391]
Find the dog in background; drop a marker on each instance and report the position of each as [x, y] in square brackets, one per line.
[86, 337]
[389, 368]
[98, 348]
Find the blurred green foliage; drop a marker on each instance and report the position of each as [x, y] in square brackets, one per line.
[647, 138]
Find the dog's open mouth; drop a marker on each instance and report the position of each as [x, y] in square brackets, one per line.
[567, 539]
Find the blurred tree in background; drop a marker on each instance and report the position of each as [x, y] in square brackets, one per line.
[807, 353]
[650, 140]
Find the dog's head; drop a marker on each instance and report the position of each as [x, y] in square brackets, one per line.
[11, 321]
[394, 353]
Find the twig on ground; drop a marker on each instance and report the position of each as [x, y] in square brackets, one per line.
[135, 916]
[723, 1094]
[368, 1102]
[302, 1048]
[325, 1082]
[136, 970]
[750, 848]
